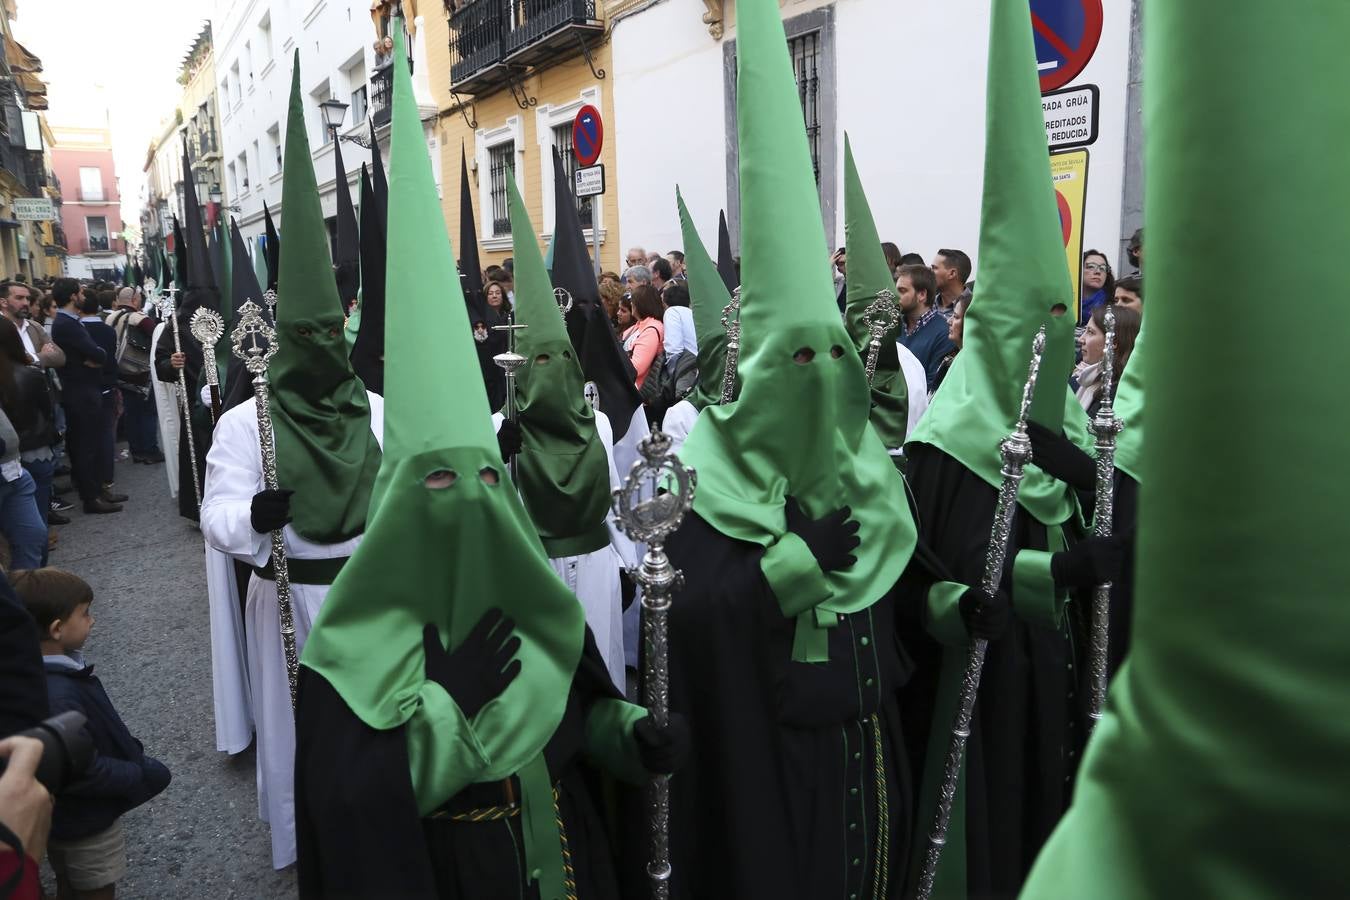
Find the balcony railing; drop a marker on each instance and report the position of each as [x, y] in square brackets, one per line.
[489, 38]
[382, 91]
[98, 196]
[94, 245]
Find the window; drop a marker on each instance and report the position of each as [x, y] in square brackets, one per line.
[359, 105]
[257, 161]
[265, 41]
[805, 53]
[91, 183]
[562, 139]
[274, 146]
[225, 92]
[502, 159]
[243, 172]
[316, 97]
[97, 227]
[234, 179]
[238, 85]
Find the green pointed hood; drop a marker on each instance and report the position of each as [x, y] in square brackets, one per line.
[819, 446]
[320, 412]
[708, 296]
[1022, 276]
[562, 469]
[868, 275]
[446, 556]
[1219, 767]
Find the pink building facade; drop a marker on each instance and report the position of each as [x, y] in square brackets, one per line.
[91, 213]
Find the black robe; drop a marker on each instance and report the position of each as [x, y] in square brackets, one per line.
[1028, 728]
[201, 415]
[358, 832]
[780, 799]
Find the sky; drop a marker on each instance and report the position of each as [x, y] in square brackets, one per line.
[116, 62]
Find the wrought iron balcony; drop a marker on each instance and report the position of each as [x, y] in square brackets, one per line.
[382, 91]
[491, 40]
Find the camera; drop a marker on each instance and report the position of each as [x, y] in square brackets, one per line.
[67, 750]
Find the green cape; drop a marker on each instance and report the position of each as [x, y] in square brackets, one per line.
[1022, 276]
[1219, 767]
[708, 296]
[446, 556]
[797, 430]
[326, 452]
[868, 275]
[562, 469]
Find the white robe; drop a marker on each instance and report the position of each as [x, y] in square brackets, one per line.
[229, 657]
[169, 407]
[594, 577]
[677, 424]
[233, 475]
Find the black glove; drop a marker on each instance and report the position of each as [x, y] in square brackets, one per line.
[1061, 458]
[627, 589]
[986, 616]
[480, 668]
[508, 439]
[270, 510]
[831, 540]
[1089, 562]
[663, 750]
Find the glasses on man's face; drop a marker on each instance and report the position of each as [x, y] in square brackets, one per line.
[1094, 267]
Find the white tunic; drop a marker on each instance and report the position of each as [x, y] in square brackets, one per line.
[168, 407]
[233, 475]
[677, 424]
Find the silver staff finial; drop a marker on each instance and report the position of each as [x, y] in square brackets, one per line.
[731, 321]
[880, 317]
[207, 327]
[649, 506]
[1104, 427]
[563, 297]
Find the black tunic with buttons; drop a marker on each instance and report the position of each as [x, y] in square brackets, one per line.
[797, 785]
[1027, 733]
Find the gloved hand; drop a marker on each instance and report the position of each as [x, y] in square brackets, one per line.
[508, 439]
[986, 616]
[1089, 562]
[663, 750]
[270, 510]
[831, 540]
[480, 668]
[1061, 457]
[627, 589]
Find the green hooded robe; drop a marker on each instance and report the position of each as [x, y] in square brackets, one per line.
[708, 297]
[1219, 767]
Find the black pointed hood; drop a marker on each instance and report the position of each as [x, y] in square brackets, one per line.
[597, 346]
[482, 318]
[272, 249]
[244, 286]
[378, 181]
[180, 258]
[347, 259]
[199, 285]
[367, 354]
[726, 263]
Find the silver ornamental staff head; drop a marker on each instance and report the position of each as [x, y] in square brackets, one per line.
[270, 298]
[669, 492]
[563, 297]
[592, 394]
[253, 340]
[727, 313]
[509, 361]
[1029, 389]
[207, 326]
[1108, 355]
[882, 314]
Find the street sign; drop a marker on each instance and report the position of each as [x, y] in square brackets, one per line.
[588, 135]
[34, 209]
[1066, 32]
[590, 181]
[1071, 116]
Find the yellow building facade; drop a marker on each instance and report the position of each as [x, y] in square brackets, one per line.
[508, 80]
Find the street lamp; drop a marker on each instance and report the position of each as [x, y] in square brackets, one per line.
[218, 198]
[334, 112]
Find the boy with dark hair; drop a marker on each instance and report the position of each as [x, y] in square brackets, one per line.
[87, 849]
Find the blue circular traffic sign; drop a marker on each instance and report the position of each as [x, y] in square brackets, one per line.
[1067, 33]
[588, 135]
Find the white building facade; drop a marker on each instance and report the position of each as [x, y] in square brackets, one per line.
[255, 44]
[904, 78]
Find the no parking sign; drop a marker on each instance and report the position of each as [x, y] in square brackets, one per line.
[1067, 33]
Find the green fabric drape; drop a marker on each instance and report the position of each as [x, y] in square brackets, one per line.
[708, 296]
[1219, 767]
[326, 452]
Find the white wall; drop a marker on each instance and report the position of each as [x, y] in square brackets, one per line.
[910, 77]
[331, 36]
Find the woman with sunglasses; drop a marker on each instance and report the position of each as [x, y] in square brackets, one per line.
[1099, 284]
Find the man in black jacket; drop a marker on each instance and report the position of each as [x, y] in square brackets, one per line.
[91, 309]
[81, 381]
